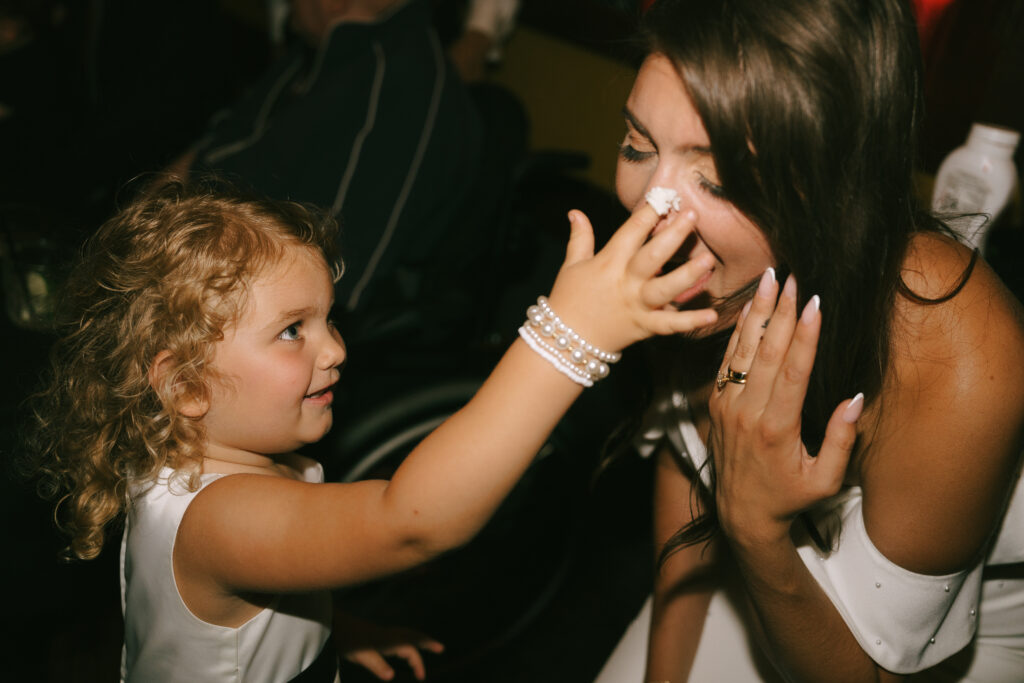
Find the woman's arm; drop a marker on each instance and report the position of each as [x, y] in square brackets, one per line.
[935, 475]
[683, 584]
[254, 533]
[765, 478]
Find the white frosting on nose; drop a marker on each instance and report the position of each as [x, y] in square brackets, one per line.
[662, 199]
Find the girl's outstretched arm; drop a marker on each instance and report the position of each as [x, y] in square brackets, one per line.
[264, 534]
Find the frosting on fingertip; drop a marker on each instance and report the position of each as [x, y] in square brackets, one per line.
[662, 199]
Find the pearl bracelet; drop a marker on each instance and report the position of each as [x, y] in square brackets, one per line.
[585, 363]
[551, 355]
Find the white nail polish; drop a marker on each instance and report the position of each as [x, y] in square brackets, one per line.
[853, 409]
[764, 287]
[810, 310]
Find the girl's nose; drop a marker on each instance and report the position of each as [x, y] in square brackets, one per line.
[333, 353]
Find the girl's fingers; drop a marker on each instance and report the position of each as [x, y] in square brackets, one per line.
[663, 244]
[661, 291]
[674, 322]
[634, 232]
[581, 238]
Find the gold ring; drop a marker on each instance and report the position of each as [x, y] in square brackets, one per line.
[730, 375]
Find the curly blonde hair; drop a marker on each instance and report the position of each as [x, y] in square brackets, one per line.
[168, 273]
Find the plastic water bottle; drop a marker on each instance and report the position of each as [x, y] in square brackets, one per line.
[977, 178]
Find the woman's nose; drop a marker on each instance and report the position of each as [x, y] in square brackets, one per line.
[665, 175]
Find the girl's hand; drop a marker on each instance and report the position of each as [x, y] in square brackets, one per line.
[765, 476]
[368, 644]
[619, 295]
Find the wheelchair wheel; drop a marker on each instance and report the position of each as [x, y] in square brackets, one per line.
[478, 597]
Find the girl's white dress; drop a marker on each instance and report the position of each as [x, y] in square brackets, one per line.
[164, 641]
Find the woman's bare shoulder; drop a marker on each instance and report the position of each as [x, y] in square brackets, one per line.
[952, 410]
[956, 311]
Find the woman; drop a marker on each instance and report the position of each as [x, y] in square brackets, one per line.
[842, 500]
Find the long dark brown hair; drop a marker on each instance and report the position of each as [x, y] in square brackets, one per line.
[812, 108]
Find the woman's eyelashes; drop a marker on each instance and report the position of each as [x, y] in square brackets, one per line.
[631, 154]
[711, 188]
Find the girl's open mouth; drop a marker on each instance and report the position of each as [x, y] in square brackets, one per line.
[325, 395]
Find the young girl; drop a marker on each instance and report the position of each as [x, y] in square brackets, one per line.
[202, 355]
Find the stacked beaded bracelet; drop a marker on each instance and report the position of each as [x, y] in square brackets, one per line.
[563, 347]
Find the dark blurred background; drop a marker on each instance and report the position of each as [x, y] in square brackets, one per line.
[95, 94]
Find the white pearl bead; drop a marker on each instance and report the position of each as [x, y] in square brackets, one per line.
[578, 356]
[562, 342]
[592, 367]
[547, 329]
[602, 370]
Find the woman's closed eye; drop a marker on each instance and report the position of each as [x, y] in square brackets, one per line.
[631, 154]
[711, 188]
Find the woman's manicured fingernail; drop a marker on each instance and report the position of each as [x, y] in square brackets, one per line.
[853, 409]
[789, 289]
[746, 309]
[767, 283]
[810, 310]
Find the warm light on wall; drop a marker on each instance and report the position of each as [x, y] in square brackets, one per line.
[928, 13]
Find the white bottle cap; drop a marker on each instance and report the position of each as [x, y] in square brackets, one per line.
[999, 136]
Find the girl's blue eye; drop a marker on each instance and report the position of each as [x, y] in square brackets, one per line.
[631, 154]
[290, 333]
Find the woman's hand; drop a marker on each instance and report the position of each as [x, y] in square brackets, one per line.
[765, 476]
[619, 295]
[368, 645]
